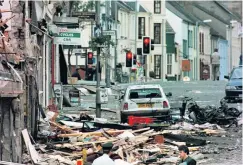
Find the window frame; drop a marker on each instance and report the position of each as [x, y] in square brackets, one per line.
[190, 39]
[201, 43]
[156, 27]
[141, 31]
[157, 6]
[157, 66]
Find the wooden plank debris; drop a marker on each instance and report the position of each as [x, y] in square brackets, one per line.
[31, 149]
[63, 128]
[83, 143]
[91, 133]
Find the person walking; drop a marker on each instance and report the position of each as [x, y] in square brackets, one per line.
[215, 64]
[184, 155]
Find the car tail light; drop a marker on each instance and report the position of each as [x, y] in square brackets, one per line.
[125, 106]
[165, 104]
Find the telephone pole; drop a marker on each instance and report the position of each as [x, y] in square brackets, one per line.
[98, 106]
[107, 65]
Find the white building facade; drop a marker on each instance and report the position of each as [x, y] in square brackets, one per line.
[155, 27]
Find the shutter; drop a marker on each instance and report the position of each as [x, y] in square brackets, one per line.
[170, 42]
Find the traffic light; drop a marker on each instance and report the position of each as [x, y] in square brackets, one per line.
[90, 58]
[146, 45]
[129, 59]
[134, 59]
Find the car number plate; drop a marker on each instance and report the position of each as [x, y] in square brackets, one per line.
[145, 105]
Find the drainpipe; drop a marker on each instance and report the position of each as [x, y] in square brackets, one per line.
[162, 60]
[53, 81]
[44, 71]
[47, 48]
[197, 69]
[115, 61]
[27, 25]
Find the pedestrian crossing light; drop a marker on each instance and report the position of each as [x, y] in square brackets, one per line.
[134, 59]
[146, 45]
[90, 58]
[129, 59]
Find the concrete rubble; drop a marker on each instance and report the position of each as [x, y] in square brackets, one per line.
[65, 139]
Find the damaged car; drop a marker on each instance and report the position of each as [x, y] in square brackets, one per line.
[144, 100]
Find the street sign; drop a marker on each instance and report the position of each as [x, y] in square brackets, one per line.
[186, 67]
[85, 16]
[78, 54]
[97, 31]
[77, 50]
[68, 36]
[109, 33]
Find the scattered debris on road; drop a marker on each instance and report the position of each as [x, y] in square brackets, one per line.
[67, 139]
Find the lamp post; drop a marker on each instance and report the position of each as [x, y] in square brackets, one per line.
[197, 68]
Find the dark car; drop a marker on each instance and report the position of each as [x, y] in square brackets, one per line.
[233, 89]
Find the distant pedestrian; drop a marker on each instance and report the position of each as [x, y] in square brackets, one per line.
[184, 155]
[76, 74]
[215, 64]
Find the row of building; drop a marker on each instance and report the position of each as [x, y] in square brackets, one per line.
[185, 34]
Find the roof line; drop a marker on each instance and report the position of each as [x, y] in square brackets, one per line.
[227, 10]
[181, 11]
[125, 5]
[210, 13]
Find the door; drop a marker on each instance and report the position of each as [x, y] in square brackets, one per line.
[223, 52]
[185, 55]
[157, 66]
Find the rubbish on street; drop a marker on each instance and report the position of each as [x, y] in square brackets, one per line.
[68, 142]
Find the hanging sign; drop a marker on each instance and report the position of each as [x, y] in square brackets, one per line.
[68, 36]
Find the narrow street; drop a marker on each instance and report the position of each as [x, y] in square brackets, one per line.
[223, 150]
[204, 92]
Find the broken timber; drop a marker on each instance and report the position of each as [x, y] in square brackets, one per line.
[91, 133]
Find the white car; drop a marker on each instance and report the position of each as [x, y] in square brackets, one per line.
[144, 100]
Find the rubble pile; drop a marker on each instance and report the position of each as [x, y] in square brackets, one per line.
[65, 144]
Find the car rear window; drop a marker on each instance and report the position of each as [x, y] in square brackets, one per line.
[237, 74]
[145, 93]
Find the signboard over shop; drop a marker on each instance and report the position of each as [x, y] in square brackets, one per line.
[68, 36]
